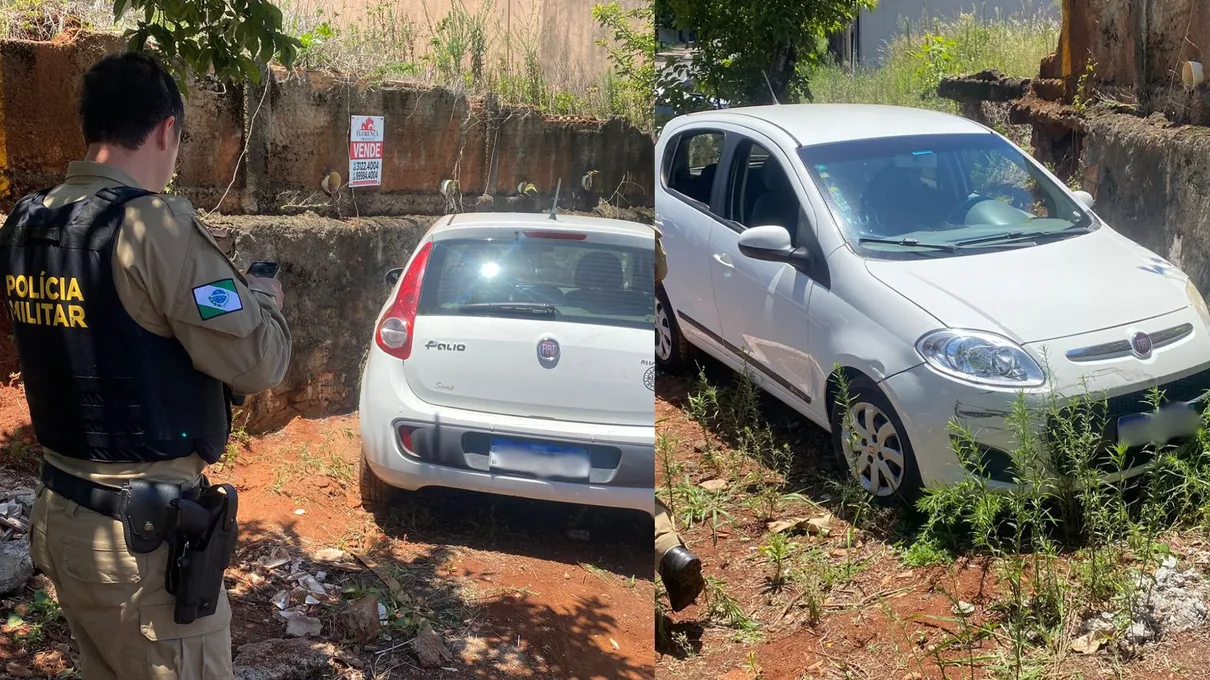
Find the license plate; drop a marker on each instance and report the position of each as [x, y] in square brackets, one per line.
[1178, 419]
[541, 459]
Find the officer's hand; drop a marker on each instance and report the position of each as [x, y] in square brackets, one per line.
[267, 284]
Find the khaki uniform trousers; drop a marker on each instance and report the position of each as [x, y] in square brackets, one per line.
[115, 601]
[666, 537]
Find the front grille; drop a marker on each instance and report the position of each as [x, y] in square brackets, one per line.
[1095, 423]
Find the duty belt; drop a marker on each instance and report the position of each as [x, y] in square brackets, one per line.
[100, 498]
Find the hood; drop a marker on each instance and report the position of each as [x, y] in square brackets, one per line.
[1059, 289]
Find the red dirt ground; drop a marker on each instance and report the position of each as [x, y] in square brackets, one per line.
[882, 624]
[511, 592]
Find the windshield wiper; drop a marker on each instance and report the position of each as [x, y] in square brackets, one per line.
[532, 308]
[1011, 236]
[911, 243]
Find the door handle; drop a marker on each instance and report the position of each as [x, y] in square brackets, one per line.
[721, 258]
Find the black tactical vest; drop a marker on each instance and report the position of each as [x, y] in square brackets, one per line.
[99, 386]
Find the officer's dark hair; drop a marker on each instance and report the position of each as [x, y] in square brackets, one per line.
[124, 97]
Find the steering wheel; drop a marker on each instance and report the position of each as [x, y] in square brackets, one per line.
[958, 214]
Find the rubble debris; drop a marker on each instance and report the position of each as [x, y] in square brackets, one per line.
[1169, 601]
[714, 484]
[331, 555]
[310, 583]
[278, 558]
[279, 659]
[298, 624]
[362, 620]
[16, 566]
[821, 525]
[430, 649]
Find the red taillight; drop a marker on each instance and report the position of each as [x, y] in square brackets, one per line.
[398, 325]
[557, 235]
[405, 438]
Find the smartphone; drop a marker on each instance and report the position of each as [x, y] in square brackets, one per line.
[266, 270]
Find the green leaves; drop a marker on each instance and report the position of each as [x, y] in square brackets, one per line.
[743, 42]
[231, 39]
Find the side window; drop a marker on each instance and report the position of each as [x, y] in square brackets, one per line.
[759, 192]
[694, 164]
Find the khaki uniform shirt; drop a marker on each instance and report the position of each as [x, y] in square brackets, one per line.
[163, 251]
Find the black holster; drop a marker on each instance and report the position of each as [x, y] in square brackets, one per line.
[200, 550]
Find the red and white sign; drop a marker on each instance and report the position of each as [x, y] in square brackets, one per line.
[365, 151]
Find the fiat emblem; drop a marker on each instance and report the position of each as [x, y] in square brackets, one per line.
[548, 352]
[1140, 344]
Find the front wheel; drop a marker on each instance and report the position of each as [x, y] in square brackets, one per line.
[671, 348]
[870, 440]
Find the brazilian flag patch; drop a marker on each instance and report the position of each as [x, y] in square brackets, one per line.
[216, 299]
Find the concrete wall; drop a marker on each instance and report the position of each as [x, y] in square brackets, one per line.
[1138, 46]
[894, 18]
[299, 133]
[1152, 184]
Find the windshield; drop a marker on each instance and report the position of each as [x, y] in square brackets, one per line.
[940, 195]
[559, 280]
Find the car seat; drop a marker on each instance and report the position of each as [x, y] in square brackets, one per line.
[778, 205]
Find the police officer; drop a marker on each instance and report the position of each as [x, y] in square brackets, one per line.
[680, 569]
[133, 329]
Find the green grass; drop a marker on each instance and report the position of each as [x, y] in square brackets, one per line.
[913, 64]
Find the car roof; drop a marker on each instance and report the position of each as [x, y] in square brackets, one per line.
[506, 220]
[811, 124]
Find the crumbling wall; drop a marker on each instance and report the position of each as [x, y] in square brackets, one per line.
[264, 149]
[333, 273]
[1152, 183]
[1136, 48]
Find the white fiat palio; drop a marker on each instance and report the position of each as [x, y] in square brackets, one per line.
[513, 356]
[941, 267]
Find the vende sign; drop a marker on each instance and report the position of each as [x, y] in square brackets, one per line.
[365, 151]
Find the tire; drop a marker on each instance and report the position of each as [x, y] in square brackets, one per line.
[889, 470]
[672, 351]
[375, 493]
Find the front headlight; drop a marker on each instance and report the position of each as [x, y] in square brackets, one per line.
[982, 358]
[1197, 302]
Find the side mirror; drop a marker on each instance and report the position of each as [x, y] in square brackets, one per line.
[1085, 199]
[393, 275]
[772, 244]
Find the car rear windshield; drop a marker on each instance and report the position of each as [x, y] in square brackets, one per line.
[563, 280]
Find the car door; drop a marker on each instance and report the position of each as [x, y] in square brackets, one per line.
[764, 307]
[688, 180]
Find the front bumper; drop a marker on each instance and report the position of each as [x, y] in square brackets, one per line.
[928, 402]
[450, 447]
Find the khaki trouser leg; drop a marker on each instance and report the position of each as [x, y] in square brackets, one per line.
[115, 601]
[666, 537]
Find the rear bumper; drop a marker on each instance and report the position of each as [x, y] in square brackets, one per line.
[451, 446]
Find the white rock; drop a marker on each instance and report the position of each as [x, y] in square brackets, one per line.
[330, 555]
[303, 626]
[16, 567]
[308, 581]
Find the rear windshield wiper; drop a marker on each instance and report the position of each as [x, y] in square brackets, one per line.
[531, 308]
[1011, 236]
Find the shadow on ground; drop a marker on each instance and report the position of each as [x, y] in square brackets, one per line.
[619, 541]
